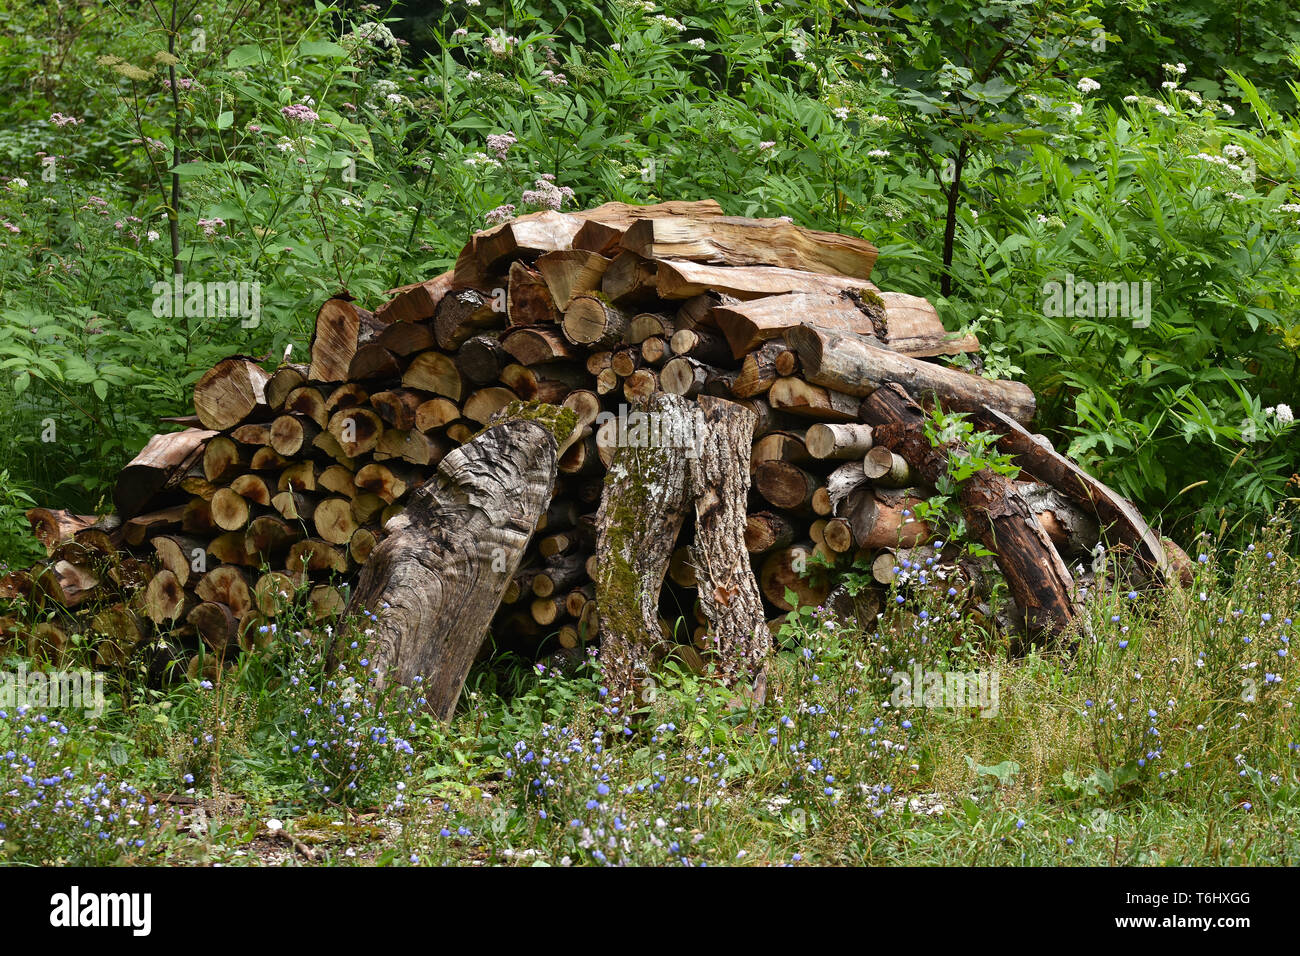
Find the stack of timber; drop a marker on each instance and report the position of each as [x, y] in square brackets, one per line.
[738, 398]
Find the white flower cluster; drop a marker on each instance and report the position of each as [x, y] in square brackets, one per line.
[1088, 85]
[1281, 412]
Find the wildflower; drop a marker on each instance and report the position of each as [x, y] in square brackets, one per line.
[500, 143]
[1088, 85]
[697, 42]
[299, 113]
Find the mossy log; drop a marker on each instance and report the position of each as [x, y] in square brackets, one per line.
[641, 512]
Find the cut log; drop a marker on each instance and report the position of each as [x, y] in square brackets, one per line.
[464, 312]
[789, 569]
[290, 434]
[886, 469]
[786, 486]
[794, 396]
[856, 365]
[779, 446]
[229, 392]
[679, 279]
[486, 402]
[416, 303]
[1118, 518]
[838, 441]
[729, 595]
[528, 301]
[538, 346]
[52, 526]
[436, 413]
[995, 512]
[684, 376]
[398, 407]
[765, 530]
[568, 272]
[436, 581]
[736, 241]
[629, 280]
[284, 380]
[434, 372]
[481, 359]
[592, 322]
[223, 458]
[340, 328]
[146, 474]
[357, 430]
[641, 511]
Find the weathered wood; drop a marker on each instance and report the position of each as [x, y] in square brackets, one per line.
[680, 279]
[149, 471]
[568, 272]
[857, 365]
[340, 328]
[528, 300]
[786, 485]
[737, 241]
[1118, 517]
[434, 372]
[416, 303]
[994, 510]
[592, 322]
[464, 312]
[886, 469]
[436, 581]
[482, 358]
[229, 392]
[641, 512]
[794, 396]
[789, 568]
[719, 483]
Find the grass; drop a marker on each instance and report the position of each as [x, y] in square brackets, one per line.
[1162, 733]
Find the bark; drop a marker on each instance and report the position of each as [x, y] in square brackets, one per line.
[1118, 518]
[857, 365]
[719, 483]
[995, 512]
[641, 512]
[436, 581]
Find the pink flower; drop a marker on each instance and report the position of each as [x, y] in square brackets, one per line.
[501, 214]
[500, 143]
[58, 119]
[299, 113]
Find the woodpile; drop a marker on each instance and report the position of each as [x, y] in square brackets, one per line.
[740, 404]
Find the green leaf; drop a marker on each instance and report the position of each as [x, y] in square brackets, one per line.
[321, 48]
[225, 120]
[246, 55]
[190, 170]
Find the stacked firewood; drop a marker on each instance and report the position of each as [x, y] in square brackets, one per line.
[288, 479]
